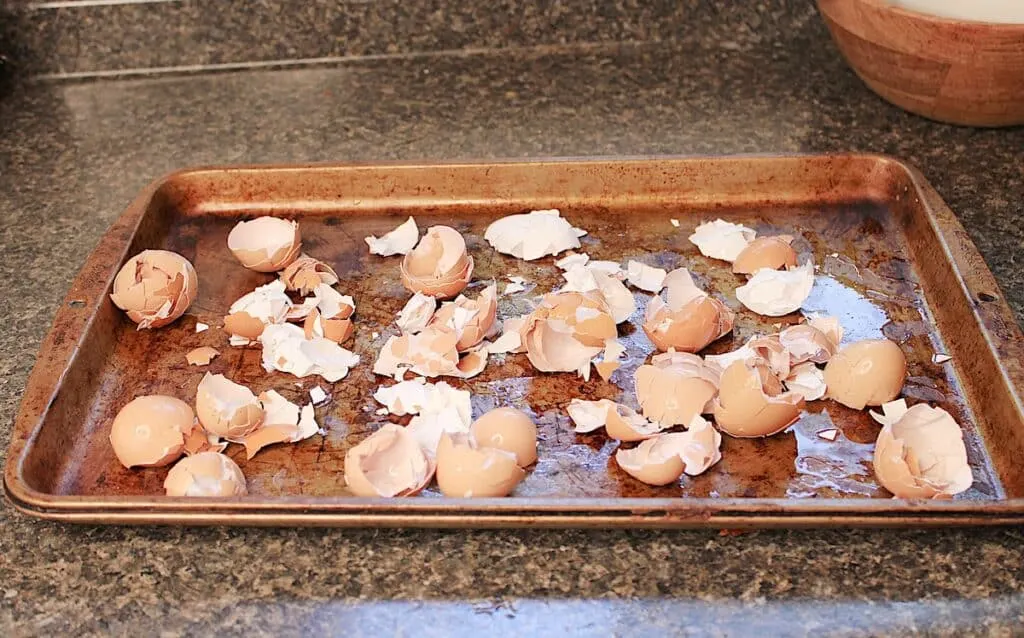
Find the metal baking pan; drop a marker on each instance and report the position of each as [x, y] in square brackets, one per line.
[893, 260]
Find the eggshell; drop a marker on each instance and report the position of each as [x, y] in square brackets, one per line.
[399, 241]
[330, 318]
[251, 313]
[305, 274]
[439, 265]
[510, 430]
[225, 408]
[287, 349]
[619, 421]
[770, 350]
[721, 239]
[265, 244]
[663, 459]
[921, 454]
[869, 372]
[155, 287]
[207, 474]
[773, 253]
[533, 235]
[150, 431]
[471, 319]
[645, 277]
[566, 331]
[201, 356]
[466, 469]
[388, 463]
[774, 293]
[743, 409]
[805, 342]
[676, 388]
[416, 313]
[807, 380]
[431, 352]
[690, 320]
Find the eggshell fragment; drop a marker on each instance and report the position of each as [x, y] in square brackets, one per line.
[416, 313]
[743, 409]
[572, 260]
[566, 331]
[305, 274]
[645, 277]
[286, 349]
[201, 356]
[690, 320]
[619, 421]
[675, 387]
[283, 422]
[721, 239]
[774, 293]
[774, 253]
[225, 408]
[265, 244]
[808, 380]
[388, 463]
[150, 431]
[920, 453]
[439, 408]
[465, 469]
[471, 319]
[588, 279]
[198, 440]
[206, 474]
[399, 241]
[869, 372]
[533, 235]
[254, 311]
[431, 353]
[510, 339]
[439, 265]
[331, 317]
[155, 287]
[663, 459]
[805, 342]
[510, 430]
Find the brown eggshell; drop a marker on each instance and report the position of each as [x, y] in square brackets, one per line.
[225, 408]
[467, 470]
[439, 265]
[743, 410]
[206, 474]
[265, 244]
[869, 372]
[922, 455]
[243, 324]
[150, 431]
[337, 330]
[510, 430]
[486, 307]
[774, 253]
[155, 287]
[690, 329]
[388, 463]
[675, 387]
[305, 274]
[806, 343]
[645, 464]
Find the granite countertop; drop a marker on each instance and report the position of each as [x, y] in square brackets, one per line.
[73, 154]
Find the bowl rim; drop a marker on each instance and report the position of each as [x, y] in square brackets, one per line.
[886, 5]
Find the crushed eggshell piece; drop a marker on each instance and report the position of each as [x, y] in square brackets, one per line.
[286, 349]
[388, 463]
[689, 320]
[572, 260]
[831, 434]
[251, 313]
[645, 277]
[431, 353]
[674, 222]
[533, 235]
[399, 241]
[155, 287]
[201, 356]
[774, 293]
[416, 313]
[807, 380]
[619, 421]
[720, 239]
[675, 388]
[317, 395]
[201, 327]
[939, 358]
[305, 274]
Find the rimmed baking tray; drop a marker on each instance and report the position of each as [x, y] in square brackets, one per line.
[892, 259]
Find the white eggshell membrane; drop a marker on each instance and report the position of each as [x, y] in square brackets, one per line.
[286, 349]
[645, 277]
[533, 235]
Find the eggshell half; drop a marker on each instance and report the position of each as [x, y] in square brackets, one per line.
[869, 372]
[150, 431]
[225, 408]
[206, 474]
[689, 320]
[510, 430]
[675, 389]
[466, 469]
[155, 287]
[439, 265]
[922, 455]
[774, 253]
[265, 244]
[774, 293]
[743, 409]
[388, 463]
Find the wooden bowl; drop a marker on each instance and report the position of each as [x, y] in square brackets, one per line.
[949, 70]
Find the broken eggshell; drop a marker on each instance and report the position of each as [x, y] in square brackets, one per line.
[253, 312]
[431, 352]
[644, 277]
[388, 463]
[720, 239]
[150, 431]
[155, 287]
[773, 253]
[331, 319]
[225, 408]
[619, 421]
[869, 372]
[305, 274]
[510, 430]
[416, 313]
[690, 320]
[471, 319]
[920, 452]
[774, 293]
[806, 342]
[744, 410]
[201, 356]
[533, 235]
[675, 387]
[265, 244]
[439, 265]
[663, 459]
[205, 474]
[566, 331]
[286, 349]
[466, 469]
[399, 241]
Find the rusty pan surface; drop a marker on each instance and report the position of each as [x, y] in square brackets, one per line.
[893, 261]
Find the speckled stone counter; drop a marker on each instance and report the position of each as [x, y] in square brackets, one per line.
[72, 155]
